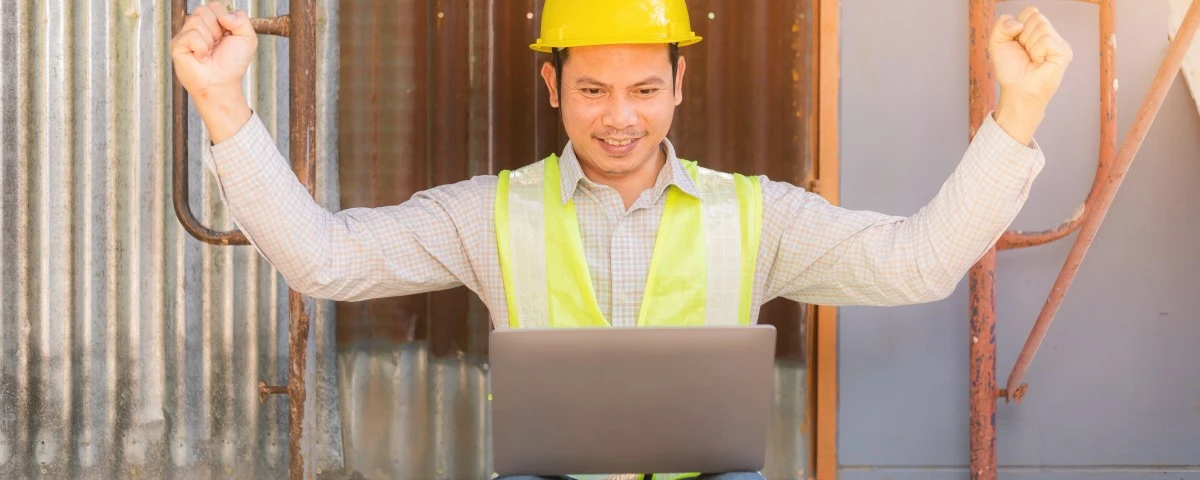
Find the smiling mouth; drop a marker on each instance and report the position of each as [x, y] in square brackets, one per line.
[618, 142]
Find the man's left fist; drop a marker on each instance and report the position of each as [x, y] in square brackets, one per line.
[1029, 58]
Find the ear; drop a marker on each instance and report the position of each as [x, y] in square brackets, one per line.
[679, 81]
[551, 78]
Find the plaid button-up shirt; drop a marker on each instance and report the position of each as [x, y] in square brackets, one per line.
[811, 251]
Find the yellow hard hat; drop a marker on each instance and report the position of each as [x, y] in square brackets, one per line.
[576, 23]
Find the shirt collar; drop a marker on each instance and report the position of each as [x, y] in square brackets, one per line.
[672, 173]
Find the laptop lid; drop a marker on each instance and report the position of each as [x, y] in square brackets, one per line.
[631, 400]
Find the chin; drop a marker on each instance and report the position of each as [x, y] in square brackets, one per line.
[616, 173]
[629, 160]
[619, 167]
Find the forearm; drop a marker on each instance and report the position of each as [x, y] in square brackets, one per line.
[224, 113]
[269, 205]
[974, 207]
[1018, 117]
[835, 256]
[352, 255]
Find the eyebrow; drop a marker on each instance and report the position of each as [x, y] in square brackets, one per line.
[586, 80]
[655, 80]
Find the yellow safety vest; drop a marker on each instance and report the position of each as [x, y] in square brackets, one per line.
[703, 244]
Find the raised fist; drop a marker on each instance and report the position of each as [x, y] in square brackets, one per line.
[1029, 57]
[213, 50]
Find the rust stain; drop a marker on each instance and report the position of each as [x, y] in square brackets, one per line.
[382, 145]
[279, 26]
[300, 26]
[982, 369]
[265, 391]
[302, 122]
[179, 153]
[1112, 167]
[982, 302]
[1108, 140]
[297, 356]
[1014, 239]
[1020, 393]
[179, 138]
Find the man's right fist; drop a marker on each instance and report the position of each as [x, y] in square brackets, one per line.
[212, 52]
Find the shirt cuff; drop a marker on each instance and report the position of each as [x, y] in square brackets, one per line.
[242, 156]
[1007, 160]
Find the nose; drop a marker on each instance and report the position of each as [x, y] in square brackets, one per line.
[620, 113]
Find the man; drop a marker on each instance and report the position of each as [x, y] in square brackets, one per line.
[619, 231]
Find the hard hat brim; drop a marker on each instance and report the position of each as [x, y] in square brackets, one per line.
[549, 47]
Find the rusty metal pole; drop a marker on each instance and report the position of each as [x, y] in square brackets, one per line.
[1129, 148]
[179, 153]
[982, 381]
[302, 145]
[1014, 239]
[1111, 171]
[1108, 151]
[983, 367]
[301, 28]
[279, 26]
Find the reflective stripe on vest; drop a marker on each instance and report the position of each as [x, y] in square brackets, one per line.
[545, 273]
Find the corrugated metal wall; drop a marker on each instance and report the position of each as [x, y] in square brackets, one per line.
[434, 91]
[127, 348]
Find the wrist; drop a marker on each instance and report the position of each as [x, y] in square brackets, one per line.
[224, 112]
[1019, 118]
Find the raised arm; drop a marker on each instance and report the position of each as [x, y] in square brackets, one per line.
[355, 254]
[829, 255]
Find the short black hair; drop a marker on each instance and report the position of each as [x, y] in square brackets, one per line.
[560, 57]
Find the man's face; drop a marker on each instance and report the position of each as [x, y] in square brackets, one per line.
[617, 105]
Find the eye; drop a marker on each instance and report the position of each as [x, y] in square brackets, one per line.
[646, 92]
[591, 92]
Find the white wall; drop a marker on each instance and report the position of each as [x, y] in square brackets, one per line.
[1114, 392]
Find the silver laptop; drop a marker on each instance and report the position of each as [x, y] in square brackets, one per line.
[631, 400]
